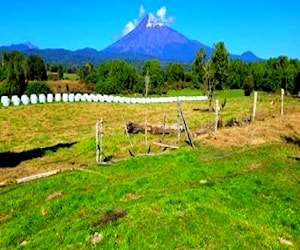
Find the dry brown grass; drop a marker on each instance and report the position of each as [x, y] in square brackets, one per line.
[73, 86]
[38, 126]
[271, 129]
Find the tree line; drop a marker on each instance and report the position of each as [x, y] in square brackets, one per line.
[218, 72]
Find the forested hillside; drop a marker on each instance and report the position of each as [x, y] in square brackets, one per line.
[21, 74]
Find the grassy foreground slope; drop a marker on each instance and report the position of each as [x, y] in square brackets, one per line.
[203, 198]
[236, 189]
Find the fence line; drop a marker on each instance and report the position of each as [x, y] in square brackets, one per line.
[172, 115]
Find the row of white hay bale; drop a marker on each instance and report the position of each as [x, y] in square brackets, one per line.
[71, 97]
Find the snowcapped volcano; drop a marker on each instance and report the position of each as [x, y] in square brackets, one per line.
[152, 39]
[153, 22]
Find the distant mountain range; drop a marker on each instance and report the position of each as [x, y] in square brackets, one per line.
[150, 39]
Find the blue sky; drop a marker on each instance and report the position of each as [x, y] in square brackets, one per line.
[267, 28]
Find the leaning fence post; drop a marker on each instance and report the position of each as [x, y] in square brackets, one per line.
[164, 127]
[178, 127]
[216, 115]
[254, 106]
[281, 102]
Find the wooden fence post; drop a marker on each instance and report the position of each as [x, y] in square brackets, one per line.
[216, 115]
[97, 143]
[101, 139]
[146, 130]
[281, 102]
[164, 127]
[254, 106]
[126, 131]
[178, 127]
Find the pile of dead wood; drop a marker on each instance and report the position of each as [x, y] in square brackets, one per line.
[233, 122]
[135, 128]
[207, 127]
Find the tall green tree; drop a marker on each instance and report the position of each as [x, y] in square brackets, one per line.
[60, 72]
[87, 74]
[2, 73]
[156, 73]
[220, 63]
[297, 85]
[35, 69]
[114, 77]
[248, 84]
[52, 67]
[209, 80]
[237, 72]
[259, 73]
[174, 73]
[198, 71]
[14, 64]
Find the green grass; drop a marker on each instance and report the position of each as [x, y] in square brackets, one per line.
[185, 92]
[188, 199]
[233, 198]
[71, 76]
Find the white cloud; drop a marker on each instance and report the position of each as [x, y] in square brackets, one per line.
[161, 15]
[128, 28]
[142, 11]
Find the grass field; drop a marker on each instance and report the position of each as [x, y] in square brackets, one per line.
[236, 189]
[205, 198]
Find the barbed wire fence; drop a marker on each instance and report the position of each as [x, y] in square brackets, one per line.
[117, 143]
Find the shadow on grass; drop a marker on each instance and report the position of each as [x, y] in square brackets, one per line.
[292, 139]
[12, 159]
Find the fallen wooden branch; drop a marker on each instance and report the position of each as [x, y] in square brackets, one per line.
[134, 128]
[165, 145]
[37, 176]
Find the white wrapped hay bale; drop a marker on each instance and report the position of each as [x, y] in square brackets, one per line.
[78, 97]
[49, 97]
[58, 97]
[71, 97]
[42, 98]
[25, 99]
[5, 101]
[94, 97]
[89, 98]
[33, 98]
[84, 97]
[65, 97]
[15, 100]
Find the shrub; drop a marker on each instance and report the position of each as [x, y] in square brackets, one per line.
[37, 88]
[52, 76]
[9, 89]
[248, 85]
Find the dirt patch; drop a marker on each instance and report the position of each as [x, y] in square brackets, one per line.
[54, 195]
[110, 217]
[131, 197]
[96, 238]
